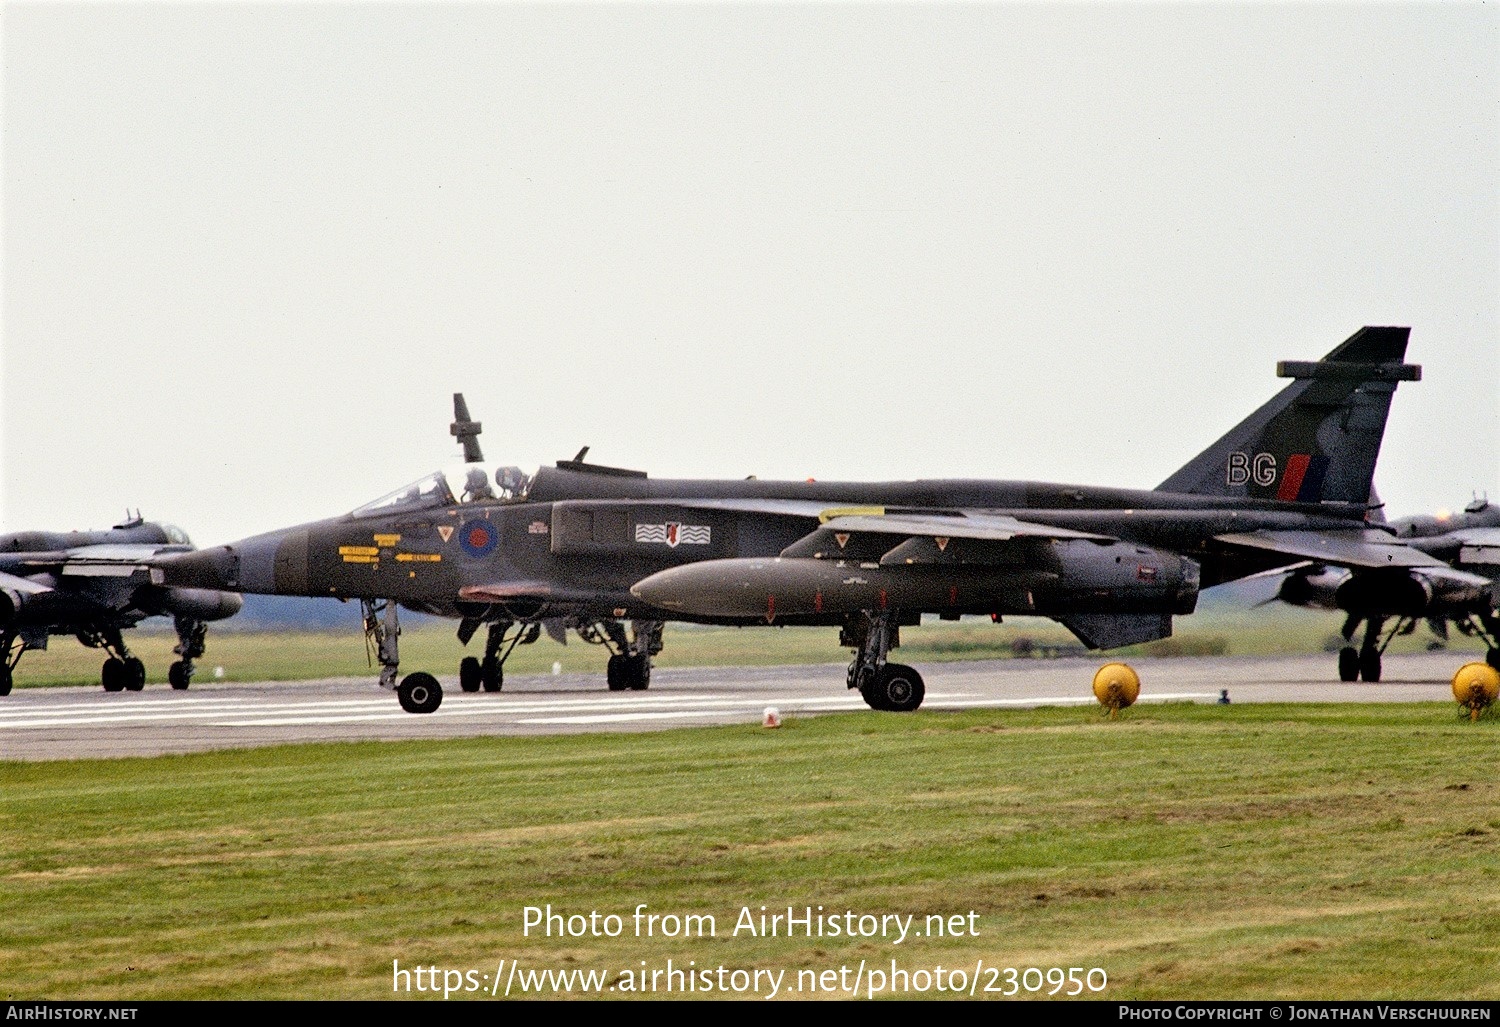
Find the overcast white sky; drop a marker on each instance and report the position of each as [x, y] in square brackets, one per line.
[250, 251]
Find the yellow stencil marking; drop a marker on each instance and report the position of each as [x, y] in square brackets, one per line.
[419, 557]
[850, 511]
[387, 540]
[358, 551]
[358, 558]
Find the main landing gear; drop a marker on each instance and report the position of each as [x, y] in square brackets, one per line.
[191, 639]
[1364, 662]
[629, 667]
[11, 648]
[1487, 627]
[884, 686]
[489, 673]
[121, 672]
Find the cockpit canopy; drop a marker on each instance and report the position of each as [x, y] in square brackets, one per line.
[454, 484]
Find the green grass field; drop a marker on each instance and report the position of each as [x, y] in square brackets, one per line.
[288, 656]
[1189, 851]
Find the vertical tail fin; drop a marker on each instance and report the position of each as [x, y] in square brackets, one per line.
[1318, 438]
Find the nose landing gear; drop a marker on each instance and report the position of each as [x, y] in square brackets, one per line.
[417, 693]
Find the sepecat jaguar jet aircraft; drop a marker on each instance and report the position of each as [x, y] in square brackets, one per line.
[594, 548]
[93, 584]
[1464, 590]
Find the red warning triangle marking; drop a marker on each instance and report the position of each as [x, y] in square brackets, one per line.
[942, 543]
[842, 538]
[445, 531]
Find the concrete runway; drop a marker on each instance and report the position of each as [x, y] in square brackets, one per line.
[73, 723]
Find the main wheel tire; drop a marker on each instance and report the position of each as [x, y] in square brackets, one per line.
[615, 674]
[1493, 658]
[419, 693]
[492, 674]
[112, 675]
[5, 678]
[469, 674]
[135, 674]
[1369, 665]
[178, 676]
[1348, 663]
[640, 673]
[897, 688]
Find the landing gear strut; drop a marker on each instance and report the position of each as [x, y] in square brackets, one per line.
[10, 655]
[191, 636]
[1364, 662]
[884, 686]
[1487, 627]
[121, 672]
[629, 664]
[489, 673]
[417, 693]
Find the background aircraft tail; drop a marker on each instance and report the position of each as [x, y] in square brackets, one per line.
[1317, 440]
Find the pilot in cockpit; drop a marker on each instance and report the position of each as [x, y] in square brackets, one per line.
[477, 486]
[511, 482]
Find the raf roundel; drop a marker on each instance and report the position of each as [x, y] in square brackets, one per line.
[478, 538]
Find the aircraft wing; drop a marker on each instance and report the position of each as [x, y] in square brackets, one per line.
[890, 520]
[994, 527]
[97, 561]
[1355, 547]
[929, 538]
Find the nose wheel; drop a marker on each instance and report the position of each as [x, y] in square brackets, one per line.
[419, 693]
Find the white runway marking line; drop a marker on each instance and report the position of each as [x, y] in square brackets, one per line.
[707, 707]
[833, 706]
[248, 712]
[377, 707]
[46, 718]
[121, 705]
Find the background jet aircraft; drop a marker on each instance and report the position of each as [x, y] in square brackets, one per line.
[93, 584]
[1466, 591]
[593, 547]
